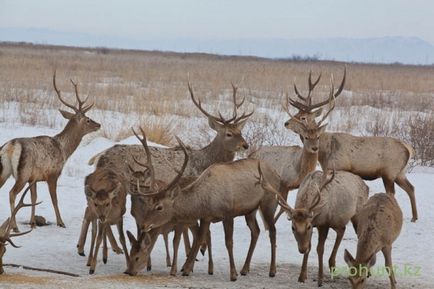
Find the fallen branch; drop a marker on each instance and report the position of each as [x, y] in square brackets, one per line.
[42, 270]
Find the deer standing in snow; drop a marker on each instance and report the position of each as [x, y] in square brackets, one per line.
[42, 158]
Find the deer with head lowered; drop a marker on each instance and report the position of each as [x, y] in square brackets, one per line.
[226, 143]
[6, 227]
[294, 163]
[324, 200]
[221, 193]
[42, 158]
[380, 222]
[368, 157]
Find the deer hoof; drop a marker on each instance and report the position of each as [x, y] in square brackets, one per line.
[91, 271]
[272, 274]
[413, 220]
[202, 251]
[148, 268]
[62, 225]
[81, 254]
[104, 260]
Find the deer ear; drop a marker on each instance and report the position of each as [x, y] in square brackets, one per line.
[66, 114]
[295, 127]
[241, 124]
[318, 112]
[147, 240]
[349, 258]
[88, 191]
[133, 240]
[218, 127]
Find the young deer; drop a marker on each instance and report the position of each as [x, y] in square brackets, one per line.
[368, 157]
[324, 202]
[294, 163]
[42, 158]
[221, 192]
[106, 195]
[379, 225]
[6, 227]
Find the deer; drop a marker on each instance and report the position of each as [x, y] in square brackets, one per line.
[324, 200]
[380, 222]
[42, 158]
[6, 227]
[369, 157]
[221, 193]
[222, 148]
[294, 163]
[106, 194]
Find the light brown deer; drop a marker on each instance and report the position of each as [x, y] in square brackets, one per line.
[106, 194]
[323, 201]
[42, 158]
[221, 192]
[368, 157]
[380, 222]
[294, 163]
[6, 227]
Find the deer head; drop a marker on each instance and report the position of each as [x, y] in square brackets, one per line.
[78, 118]
[139, 253]
[359, 270]
[308, 112]
[228, 130]
[301, 217]
[102, 187]
[5, 228]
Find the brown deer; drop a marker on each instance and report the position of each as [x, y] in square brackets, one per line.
[42, 158]
[294, 163]
[6, 227]
[323, 201]
[368, 157]
[221, 192]
[106, 194]
[379, 225]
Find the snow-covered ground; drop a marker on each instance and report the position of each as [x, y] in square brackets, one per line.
[55, 248]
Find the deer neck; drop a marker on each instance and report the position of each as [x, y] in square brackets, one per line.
[211, 154]
[306, 164]
[69, 139]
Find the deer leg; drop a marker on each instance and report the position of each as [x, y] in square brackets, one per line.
[120, 226]
[179, 230]
[210, 260]
[104, 248]
[339, 236]
[189, 263]
[354, 221]
[12, 195]
[166, 244]
[405, 184]
[113, 242]
[389, 185]
[101, 235]
[92, 242]
[303, 273]
[228, 226]
[252, 223]
[268, 215]
[387, 252]
[33, 196]
[322, 236]
[186, 238]
[52, 187]
[83, 233]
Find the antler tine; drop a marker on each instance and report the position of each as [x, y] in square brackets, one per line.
[329, 180]
[20, 205]
[341, 87]
[148, 157]
[175, 181]
[198, 104]
[311, 87]
[286, 108]
[12, 243]
[79, 101]
[316, 201]
[331, 102]
[298, 93]
[59, 95]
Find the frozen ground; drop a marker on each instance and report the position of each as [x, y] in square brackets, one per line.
[55, 248]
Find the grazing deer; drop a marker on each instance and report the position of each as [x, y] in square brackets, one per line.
[368, 157]
[6, 227]
[380, 222]
[294, 163]
[221, 192]
[227, 142]
[324, 202]
[106, 195]
[42, 158]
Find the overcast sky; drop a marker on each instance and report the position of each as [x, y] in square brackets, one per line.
[225, 19]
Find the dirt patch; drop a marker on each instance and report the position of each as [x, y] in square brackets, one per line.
[23, 279]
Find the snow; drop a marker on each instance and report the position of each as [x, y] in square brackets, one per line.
[55, 248]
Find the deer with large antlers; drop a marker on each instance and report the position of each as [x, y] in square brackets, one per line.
[368, 157]
[6, 227]
[42, 158]
[323, 201]
[221, 192]
[294, 163]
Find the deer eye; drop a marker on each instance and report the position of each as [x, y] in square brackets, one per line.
[309, 227]
[159, 207]
[106, 205]
[137, 258]
[229, 134]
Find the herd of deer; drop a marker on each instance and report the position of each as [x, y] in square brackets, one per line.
[182, 189]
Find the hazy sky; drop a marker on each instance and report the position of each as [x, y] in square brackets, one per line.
[225, 19]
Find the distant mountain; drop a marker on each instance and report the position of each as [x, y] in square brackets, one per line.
[407, 50]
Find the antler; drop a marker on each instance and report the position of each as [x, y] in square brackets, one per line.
[148, 165]
[325, 182]
[81, 108]
[268, 187]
